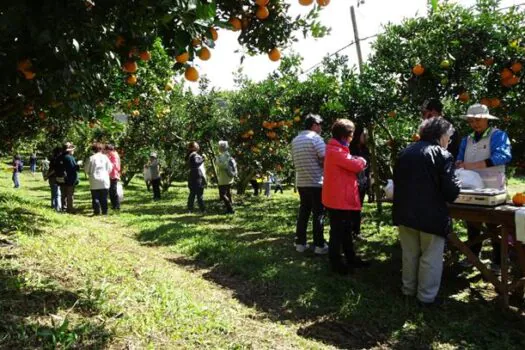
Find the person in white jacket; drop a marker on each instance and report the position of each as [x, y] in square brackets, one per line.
[98, 169]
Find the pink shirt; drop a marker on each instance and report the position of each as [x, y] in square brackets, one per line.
[114, 158]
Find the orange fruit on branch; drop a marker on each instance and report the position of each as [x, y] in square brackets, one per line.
[130, 67]
[214, 34]
[29, 75]
[489, 61]
[495, 102]
[262, 12]
[306, 2]
[506, 73]
[485, 101]
[274, 54]
[204, 54]
[516, 67]
[145, 55]
[183, 57]
[119, 42]
[235, 23]
[418, 70]
[464, 96]
[262, 2]
[131, 79]
[24, 65]
[323, 2]
[191, 74]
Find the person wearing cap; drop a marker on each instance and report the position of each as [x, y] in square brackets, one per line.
[154, 174]
[196, 176]
[98, 169]
[308, 152]
[434, 108]
[67, 177]
[226, 172]
[486, 151]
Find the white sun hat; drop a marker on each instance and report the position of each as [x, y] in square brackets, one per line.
[478, 111]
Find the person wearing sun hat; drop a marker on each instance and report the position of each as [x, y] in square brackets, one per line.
[486, 151]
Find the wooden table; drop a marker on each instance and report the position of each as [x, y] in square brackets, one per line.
[503, 216]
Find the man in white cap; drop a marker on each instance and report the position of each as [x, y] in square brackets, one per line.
[154, 174]
[486, 151]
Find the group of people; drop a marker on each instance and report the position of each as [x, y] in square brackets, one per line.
[425, 181]
[102, 168]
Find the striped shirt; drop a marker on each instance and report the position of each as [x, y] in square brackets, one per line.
[308, 149]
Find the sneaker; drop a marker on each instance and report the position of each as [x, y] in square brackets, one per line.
[321, 250]
[465, 264]
[495, 268]
[436, 303]
[301, 247]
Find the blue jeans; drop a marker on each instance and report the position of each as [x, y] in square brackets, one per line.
[16, 179]
[56, 203]
[99, 200]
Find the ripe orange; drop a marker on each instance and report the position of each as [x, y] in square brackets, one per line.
[495, 102]
[274, 54]
[516, 67]
[506, 73]
[42, 115]
[214, 34]
[418, 70]
[196, 42]
[145, 55]
[236, 24]
[130, 67]
[29, 75]
[191, 74]
[245, 23]
[323, 2]
[464, 96]
[24, 65]
[306, 2]
[119, 41]
[416, 137]
[183, 57]
[262, 12]
[489, 61]
[392, 114]
[132, 79]
[513, 80]
[262, 2]
[204, 54]
[485, 101]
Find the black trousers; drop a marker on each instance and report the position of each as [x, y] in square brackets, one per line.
[155, 183]
[255, 186]
[99, 201]
[341, 224]
[113, 196]
[225, 195]
[196, 192]
[474, 230]
[310, 203]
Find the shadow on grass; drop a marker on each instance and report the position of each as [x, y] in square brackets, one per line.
[17, 215]
[29, 316]
[252, 255]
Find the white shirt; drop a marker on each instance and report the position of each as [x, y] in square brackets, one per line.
[98, 169]
[308, 150]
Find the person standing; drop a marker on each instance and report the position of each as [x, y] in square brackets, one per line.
[358, 147]
[424, 181]
[67, 177]
[154, 175]
[486, 151]
[114, 176]
[196, 176]
[17, 169]
[226, 172]
[98, 169]
[432, 108]
[308, 151]
[32, 163]
[51, 176]
[341, 196]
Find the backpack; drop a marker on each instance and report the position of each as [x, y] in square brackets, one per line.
[232, 168]
[20, 166]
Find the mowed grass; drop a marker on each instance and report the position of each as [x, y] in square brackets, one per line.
[156, 276]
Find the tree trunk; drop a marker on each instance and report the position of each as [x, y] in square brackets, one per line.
[212, 160]
[126, 179]
[244, 180]
[375, 173]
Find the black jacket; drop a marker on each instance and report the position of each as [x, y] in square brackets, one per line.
[424, 181]
[196, 178]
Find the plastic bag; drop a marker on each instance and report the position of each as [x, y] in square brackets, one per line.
[147, 174]
[389, 189]
[469, 179]
[120, 191]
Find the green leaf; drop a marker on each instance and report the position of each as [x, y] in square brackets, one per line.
[206, 11]
[434, 4]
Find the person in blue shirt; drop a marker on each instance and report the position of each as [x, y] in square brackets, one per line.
[486, 151]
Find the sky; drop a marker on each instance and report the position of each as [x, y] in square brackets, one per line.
[370, 16]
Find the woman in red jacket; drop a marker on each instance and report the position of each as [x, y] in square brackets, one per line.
[341, 196]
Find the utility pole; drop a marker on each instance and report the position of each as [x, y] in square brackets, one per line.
[371, 133]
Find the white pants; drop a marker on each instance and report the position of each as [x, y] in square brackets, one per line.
[422, 263]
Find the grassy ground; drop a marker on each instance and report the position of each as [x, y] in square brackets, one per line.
[156, 276]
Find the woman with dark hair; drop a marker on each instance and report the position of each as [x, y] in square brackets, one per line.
[17, 168]
[197, 176]
[51, 177]
[424, 181]
[341, 196]
[359, 148]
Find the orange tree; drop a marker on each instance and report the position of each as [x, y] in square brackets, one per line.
[58, 58]
[460, 55]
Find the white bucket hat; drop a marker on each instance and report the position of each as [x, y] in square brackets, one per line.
[478, 111]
